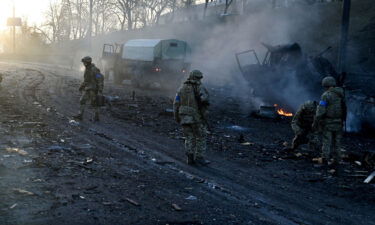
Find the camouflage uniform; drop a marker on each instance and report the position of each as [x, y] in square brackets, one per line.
[191, 115]
[330, 116]
[92, 86]
[302, 125]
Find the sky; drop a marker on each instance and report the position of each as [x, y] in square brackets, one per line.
[33, 10]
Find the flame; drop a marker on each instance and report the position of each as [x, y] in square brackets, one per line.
[282, 112]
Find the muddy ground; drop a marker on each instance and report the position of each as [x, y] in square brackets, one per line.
[130, 168]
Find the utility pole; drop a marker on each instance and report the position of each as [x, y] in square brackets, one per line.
[90, 27]
[14, 30]
[344, 36]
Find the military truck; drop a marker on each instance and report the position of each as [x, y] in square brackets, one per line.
[148, 61]
[285, 76]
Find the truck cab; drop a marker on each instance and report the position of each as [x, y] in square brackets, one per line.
[148, 61]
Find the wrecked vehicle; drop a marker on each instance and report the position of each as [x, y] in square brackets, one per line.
[286, 77]
[148, 61]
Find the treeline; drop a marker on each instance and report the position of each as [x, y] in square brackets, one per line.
[70, 19]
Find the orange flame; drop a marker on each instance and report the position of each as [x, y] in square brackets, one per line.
[282, 112]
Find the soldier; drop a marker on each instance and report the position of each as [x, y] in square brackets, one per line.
[92, 86]
[302, 125]
[190, 107]
[330, 116]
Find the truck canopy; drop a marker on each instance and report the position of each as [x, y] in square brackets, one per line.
[151, 49]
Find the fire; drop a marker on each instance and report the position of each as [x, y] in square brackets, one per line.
[282, 112]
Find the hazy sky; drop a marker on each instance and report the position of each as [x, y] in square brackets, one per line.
[33, 10]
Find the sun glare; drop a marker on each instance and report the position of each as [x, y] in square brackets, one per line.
[31, 10]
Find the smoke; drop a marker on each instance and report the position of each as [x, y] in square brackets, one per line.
[215, 41]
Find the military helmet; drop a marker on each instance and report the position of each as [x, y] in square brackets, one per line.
[329, 82]
[195, 75]
[86, 59]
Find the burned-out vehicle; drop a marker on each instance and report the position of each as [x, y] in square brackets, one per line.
[285, 76]
[148, 61]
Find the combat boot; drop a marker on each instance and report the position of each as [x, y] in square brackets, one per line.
[190, 159]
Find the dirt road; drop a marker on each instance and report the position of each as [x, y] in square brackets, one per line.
[130, 168]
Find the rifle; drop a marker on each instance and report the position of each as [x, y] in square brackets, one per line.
[201, 105]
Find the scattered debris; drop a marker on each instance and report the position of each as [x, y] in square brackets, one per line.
[358, 163]
[176, 207]
[247, 143]
[17, 150]
[318, 160]
[191, 197]
[74, 123]
[13, 206]
[132, 201]
[21, 191]
[369, 178]
[237, 128]
[267, 112]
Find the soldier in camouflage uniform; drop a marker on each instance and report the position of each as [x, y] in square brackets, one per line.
[302, 125]
[330, 116]
[91, 87]
[190, 108]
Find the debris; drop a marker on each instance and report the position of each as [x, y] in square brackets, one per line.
[13, 206]
[74, 123]
[358, 163]
[21, 191]
[28, 161]
[332, 171]
[17, 150]
[237, 128]
[176, 207]
[89, 160]
[247, 143]
[191, 197]
[318, 160]
[132, 201]
[285, 144]
[298, 154]
[267, 112]
[369, 178]
[107, 203]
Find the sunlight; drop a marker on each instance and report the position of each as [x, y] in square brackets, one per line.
[33, 11]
